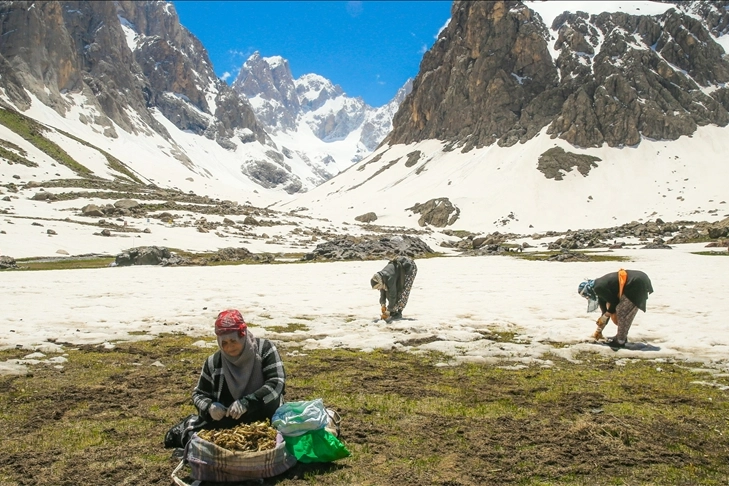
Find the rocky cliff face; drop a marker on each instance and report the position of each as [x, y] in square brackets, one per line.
[127, 58]
[271, 86]
[498, 74]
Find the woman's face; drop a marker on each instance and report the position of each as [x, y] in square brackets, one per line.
[231, 345]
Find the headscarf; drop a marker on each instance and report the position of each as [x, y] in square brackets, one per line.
[587, 290]
[243, 373]
[229, 321]
[377, 283]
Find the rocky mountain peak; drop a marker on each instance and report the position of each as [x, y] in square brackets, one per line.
[314, 90]
[312, 103]
[268, 83]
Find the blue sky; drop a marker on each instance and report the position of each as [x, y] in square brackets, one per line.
[369, 48]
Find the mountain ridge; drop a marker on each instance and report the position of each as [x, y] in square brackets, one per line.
[285, 104]
[512, 123]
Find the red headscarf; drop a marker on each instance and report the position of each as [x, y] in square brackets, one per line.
[230, 321]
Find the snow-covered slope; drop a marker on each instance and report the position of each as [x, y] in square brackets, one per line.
[185, 161]
[509, 189]
[500, 188]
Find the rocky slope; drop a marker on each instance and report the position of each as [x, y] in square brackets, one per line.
[128, 58]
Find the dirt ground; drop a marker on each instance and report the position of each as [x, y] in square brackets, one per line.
[405, 420]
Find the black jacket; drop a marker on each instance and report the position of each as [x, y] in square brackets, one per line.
[393, 276]
[636, 289]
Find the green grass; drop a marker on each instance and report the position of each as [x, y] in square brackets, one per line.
[61, 263]
[66, 263]
[32, 131]
[112, 162]
[10, 145]
[406, 420]
[546, 255]
[14, 157]
[291, 327]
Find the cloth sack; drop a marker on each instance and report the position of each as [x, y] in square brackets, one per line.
[209, 462]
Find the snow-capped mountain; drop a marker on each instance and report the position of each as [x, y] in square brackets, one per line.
[129, 80]
[524, 116]
[554, 115]
[331, 125]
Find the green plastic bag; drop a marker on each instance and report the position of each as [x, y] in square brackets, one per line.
[316, 446]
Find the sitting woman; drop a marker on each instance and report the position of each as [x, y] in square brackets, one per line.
[243, 382]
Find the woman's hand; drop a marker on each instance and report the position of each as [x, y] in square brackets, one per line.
[217, 411]
[236, 410]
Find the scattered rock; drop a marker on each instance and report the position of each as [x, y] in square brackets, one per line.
[7, 262]
[369, 248]
[44, 196]
[438, 212]
[126, 204]
[51, 232]
[568, 256]
[657, 246]
[366, 218]
[232, 255]
[92, 210]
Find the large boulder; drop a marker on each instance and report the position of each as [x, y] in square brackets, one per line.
[7, 262]
[126, 204]
[438, 212]
[366, 217]
[555, 162]
[44, 196]
[145, 255]
[92, 210]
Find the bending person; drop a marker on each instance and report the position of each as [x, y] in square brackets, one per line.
[394, 283]
[619, 296]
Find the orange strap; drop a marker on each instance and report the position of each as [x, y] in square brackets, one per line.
[622, 278]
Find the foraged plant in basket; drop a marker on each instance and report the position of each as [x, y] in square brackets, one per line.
[246, 451]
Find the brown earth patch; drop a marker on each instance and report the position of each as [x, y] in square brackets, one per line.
[407, 420]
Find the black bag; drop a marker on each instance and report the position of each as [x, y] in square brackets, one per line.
[179, 435]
